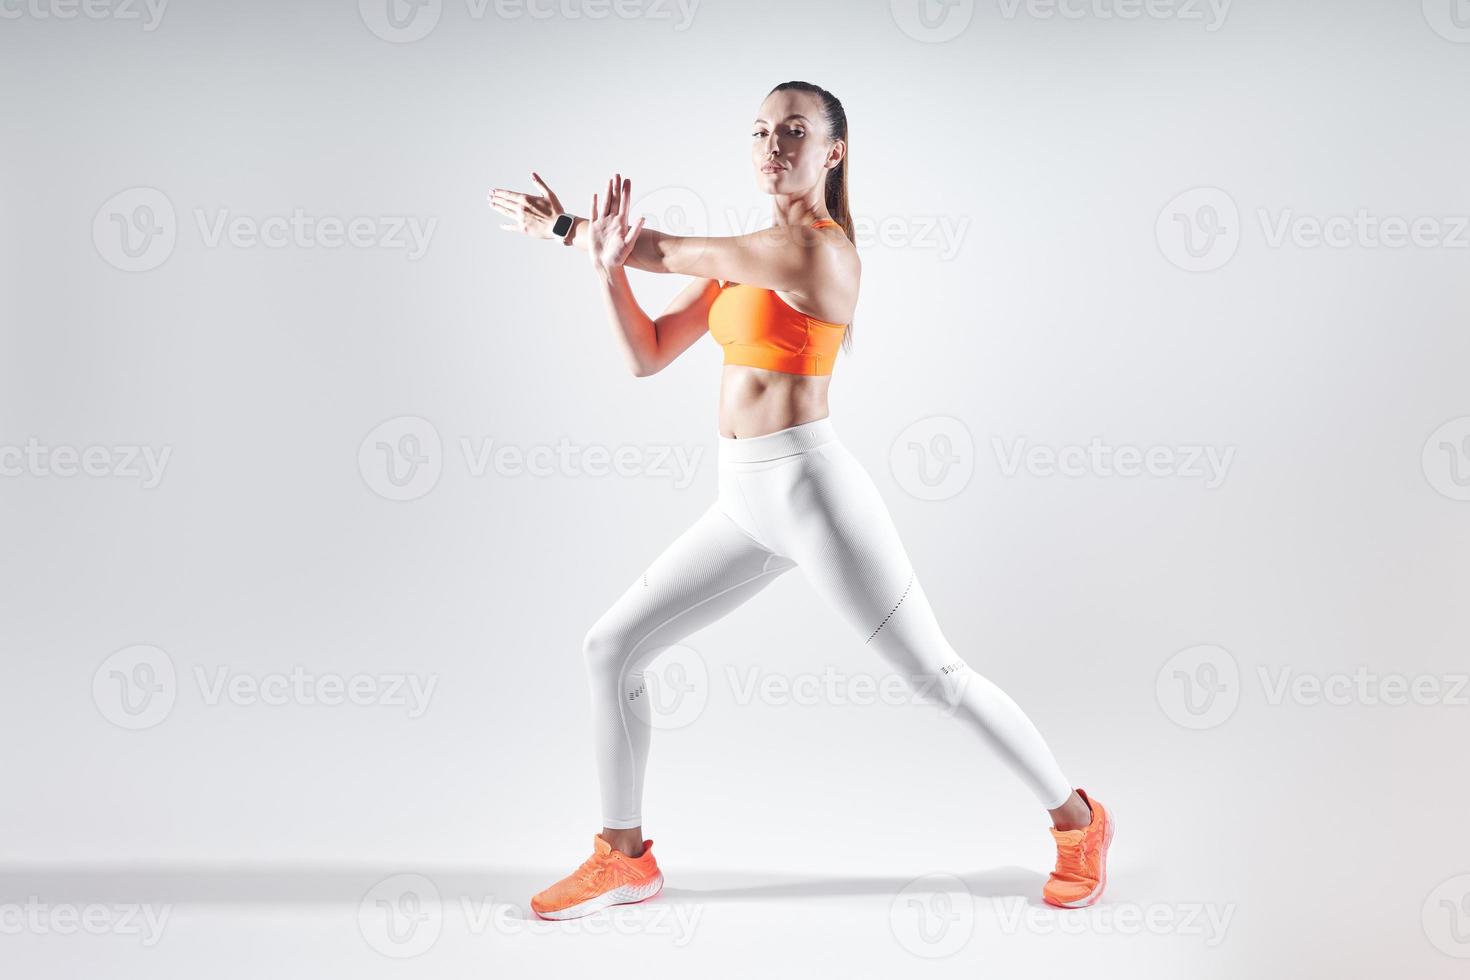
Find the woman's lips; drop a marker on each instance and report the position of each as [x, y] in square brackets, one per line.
[768, 169]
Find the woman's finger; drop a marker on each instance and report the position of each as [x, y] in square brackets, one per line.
[505, 207]
[550, 194]
[625, 248]
[632, 235]
[623, 201]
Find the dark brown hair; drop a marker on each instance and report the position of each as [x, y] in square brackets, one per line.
[836, 189]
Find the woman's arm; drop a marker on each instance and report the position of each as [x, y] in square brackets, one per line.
[791, 259]
[650, 345]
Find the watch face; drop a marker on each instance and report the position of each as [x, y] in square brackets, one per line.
[562, 226]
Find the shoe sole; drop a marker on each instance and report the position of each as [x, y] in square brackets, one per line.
[622, 895]
[1102, 881]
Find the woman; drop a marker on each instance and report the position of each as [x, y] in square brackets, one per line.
[780, 302]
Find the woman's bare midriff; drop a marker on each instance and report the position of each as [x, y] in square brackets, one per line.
[756, 402]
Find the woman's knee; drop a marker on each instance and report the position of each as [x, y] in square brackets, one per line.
[606, 648]
[599, 646]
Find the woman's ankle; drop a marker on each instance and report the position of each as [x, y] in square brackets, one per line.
[1074, 814]
[628, 840]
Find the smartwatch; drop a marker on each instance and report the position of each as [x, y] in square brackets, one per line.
[563, 227]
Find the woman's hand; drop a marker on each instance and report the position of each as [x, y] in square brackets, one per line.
[610, 240]
[531, 215]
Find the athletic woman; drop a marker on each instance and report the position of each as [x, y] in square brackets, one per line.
[780, 302]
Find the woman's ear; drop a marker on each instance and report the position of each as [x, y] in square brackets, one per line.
[837, 153]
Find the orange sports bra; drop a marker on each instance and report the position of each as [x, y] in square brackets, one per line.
[759, 329]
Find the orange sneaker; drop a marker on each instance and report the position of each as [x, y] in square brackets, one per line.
[608, 877]
[1082, 860]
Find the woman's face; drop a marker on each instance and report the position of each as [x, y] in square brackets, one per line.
[789, 146]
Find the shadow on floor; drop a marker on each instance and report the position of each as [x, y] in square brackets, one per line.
[296, 884]
[716, 886]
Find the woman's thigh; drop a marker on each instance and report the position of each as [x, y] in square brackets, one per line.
[831, 520]
[707, 571]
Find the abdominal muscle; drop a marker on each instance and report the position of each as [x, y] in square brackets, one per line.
[756, 402]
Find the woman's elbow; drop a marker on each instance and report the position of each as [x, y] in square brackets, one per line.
[645, 369]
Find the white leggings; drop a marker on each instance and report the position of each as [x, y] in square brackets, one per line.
[788, 498]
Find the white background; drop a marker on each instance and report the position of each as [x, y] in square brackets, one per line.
[1052, 150]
